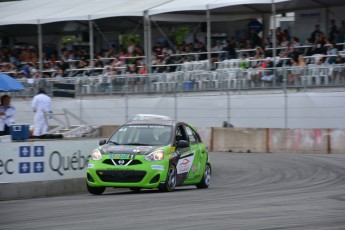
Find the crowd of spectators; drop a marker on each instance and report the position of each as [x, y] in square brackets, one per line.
[21, 61]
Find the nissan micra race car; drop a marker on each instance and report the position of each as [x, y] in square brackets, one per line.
[149, 154]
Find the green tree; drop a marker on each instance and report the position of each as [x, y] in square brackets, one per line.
[179, 34]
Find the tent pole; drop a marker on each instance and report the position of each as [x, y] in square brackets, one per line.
[40, 47]
[274, 31]
[208, 37]
[147, 41]
[91, 43]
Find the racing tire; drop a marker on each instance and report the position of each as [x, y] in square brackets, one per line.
[206, 178]
[95, 190]
[170, 183]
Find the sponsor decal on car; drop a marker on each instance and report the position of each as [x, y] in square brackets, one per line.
[90, 166]
[120, 156]
[185, 163]
[157, 167]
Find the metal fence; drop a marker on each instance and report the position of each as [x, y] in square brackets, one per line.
[194, 77]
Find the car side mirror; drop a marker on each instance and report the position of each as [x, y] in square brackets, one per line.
[182, 144]
[102, 142]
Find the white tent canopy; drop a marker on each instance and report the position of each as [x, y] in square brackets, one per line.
[46, 11]
[203, 5]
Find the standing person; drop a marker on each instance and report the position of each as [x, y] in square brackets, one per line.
[41, 104]
[333, 30]
[7, 114]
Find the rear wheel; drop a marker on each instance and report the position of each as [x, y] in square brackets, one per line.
[171, 180]
[95, 190]
[206, 178]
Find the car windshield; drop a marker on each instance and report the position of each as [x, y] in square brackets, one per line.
[142, 135]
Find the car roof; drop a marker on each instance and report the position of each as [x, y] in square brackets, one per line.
[152, 122]
[149, 117]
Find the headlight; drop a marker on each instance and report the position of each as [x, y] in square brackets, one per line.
[96, 155]
[157, 155]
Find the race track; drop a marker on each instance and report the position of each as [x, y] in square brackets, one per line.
[248, 191]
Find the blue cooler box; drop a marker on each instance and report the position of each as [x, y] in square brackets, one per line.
[20, 131]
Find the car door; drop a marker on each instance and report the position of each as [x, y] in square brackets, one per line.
[188, 161]
[196, 148]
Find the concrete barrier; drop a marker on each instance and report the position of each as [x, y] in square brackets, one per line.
[298, 140]
[34, 189]
[337, 141]
[322, 141]
[239, 140]
[107, 130]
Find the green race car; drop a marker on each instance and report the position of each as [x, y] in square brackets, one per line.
[149, 154]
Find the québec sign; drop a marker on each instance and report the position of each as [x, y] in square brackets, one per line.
[40, 161]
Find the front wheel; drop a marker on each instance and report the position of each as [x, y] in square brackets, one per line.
[171, 180]
[95, 190]
[206, 178]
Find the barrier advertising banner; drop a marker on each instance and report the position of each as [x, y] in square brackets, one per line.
[44, 160]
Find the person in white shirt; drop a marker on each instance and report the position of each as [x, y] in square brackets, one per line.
[41, 105]
[7, 115]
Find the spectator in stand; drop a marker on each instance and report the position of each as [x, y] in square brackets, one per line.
[157, 60]
[168, 61]
[142, 70]
[332, 31]
[230, 52]
[110, 53]
[319, 44]
[7, 115]
[62, 65]
[267, 71]
[341, 33]
[25, 55]
[284, 42]
[296, 73]
[279, 35]
[167, 50]
[216, 48]
[138, 51]
[59, 75]
[130, 46]
[287, 34]
[254, 38]
[131, 72]
[335, 76]
[82, 63]
[157, 49]
[295, 42]
[315, 34]
[293, 53]
[333, 52]
[200, 48]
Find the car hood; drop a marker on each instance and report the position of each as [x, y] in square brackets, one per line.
[126, 149]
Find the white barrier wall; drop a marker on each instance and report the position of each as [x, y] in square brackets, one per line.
[243, 109]
[44, 160]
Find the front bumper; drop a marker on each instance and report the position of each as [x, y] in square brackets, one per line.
[140, 173]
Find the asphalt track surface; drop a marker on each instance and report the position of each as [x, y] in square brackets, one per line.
[248, 191]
